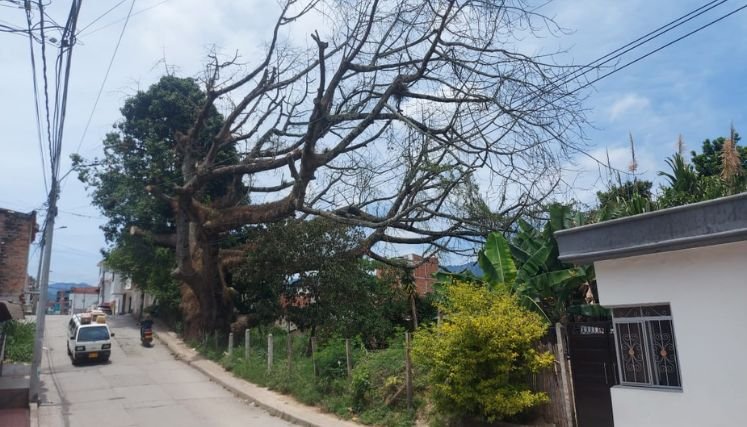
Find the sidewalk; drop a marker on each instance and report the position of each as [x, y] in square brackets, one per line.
[277, 404]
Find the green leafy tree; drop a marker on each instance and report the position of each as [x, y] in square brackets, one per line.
[625, 190]
[348, 127]
[709, 161]
[625, 199]
[142, 152]
[478, 361]
[311, 272]
[684, 185]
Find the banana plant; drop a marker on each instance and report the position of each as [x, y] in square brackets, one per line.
[529, 268]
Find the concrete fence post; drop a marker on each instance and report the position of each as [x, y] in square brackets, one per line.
[269, 352]
[247, 342]
[313, 355]
[347, 356]
[230, 343]
[289, 343]
[408, 370]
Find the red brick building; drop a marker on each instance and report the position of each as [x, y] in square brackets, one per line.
[17, 231]
[423, 271]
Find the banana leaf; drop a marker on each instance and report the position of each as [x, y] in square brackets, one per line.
[496, 261]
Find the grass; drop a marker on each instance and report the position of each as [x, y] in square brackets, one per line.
[374, 395]
[19, 344]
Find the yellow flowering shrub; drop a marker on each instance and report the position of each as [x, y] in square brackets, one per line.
[479, 360]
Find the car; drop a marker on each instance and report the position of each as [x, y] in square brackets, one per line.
[88, 340]
[106, 308]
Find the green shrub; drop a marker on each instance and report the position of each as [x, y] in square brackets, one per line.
[479, 360]
[331, 359]
[19, 346]
[379, 377]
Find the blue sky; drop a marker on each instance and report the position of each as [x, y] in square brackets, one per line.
[694, 88]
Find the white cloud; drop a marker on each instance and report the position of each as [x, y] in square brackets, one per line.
[630, 102]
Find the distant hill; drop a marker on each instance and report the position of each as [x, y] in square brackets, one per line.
[62, 286]
[472, 267]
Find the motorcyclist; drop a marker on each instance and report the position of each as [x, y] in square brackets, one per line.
[146, 324]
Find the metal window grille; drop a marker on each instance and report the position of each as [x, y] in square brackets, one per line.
[646, 347]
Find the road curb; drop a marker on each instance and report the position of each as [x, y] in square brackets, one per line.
[279, 405]
[33, 414]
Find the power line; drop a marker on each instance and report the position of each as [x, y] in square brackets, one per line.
[138, 12]
[46, 81]
[106, 76]
[36, 101]
[62, 78]
[101, 16]
[640, 58]
[651, 35]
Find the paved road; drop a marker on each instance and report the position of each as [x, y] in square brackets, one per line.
[138, 387]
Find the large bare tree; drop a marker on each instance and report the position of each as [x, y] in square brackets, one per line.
[392, 107]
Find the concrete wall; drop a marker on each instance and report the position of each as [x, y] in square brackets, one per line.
[16, 235]
[707, 290]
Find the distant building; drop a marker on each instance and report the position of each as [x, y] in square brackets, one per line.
[83, 298]
[17, 231]
[423, 270]
[62, 302]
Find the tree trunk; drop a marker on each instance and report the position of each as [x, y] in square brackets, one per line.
[206, 302]
[214, 301]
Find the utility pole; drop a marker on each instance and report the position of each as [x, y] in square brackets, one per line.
[67, 41]
[41, 307]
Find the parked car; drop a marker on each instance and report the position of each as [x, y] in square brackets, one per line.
[106, 308]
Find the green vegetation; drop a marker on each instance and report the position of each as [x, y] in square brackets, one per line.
[19, 345]
[478, 361]
[719, 170]
[372, 396]
[528, 268]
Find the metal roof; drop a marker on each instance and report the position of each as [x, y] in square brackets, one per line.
[712, 222]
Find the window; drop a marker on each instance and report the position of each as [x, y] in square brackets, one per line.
[94, 333]
[646, 347]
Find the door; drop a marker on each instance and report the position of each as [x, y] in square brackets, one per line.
[593, 362]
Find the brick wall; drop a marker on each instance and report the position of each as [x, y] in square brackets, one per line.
[17, 232]
[423, 274]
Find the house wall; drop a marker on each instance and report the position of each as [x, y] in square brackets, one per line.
[16, 235]
[707, 290]
[423, 274]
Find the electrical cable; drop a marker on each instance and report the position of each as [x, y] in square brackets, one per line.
[651, 35]
[36, 102]
[101, 16]
[662, 47]
[46, 82]
[138, 12]
[106, 76]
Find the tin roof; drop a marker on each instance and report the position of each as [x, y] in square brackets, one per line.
[712, 222]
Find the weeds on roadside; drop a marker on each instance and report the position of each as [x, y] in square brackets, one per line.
[19, 345]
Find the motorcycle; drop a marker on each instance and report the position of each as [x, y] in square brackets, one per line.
[146, 334]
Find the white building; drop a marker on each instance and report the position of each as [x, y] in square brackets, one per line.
[675, 281]
[121, 293]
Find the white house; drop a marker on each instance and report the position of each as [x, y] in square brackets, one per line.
[676, 281]
[121, 292]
